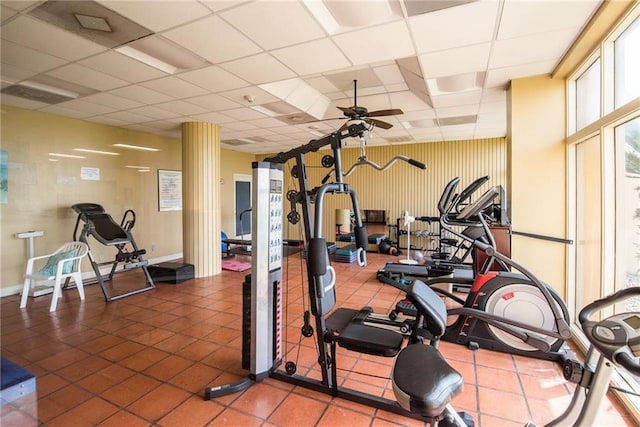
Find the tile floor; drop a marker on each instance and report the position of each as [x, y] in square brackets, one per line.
[146, 359]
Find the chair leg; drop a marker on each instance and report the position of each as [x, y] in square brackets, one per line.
[25, 292]
[77, 277]
[57, 293]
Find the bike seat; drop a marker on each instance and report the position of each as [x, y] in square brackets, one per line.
[423, 382]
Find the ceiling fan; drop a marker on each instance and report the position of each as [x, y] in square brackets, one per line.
[357, 112]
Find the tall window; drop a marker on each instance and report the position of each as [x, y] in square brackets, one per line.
[627, 64]
[588, 223]
[588, 96]
[627, 142]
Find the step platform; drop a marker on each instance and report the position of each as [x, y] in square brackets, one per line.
[16, 382]
[347, 254]
[171, 272]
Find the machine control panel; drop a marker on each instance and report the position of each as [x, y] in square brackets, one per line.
[620, 330]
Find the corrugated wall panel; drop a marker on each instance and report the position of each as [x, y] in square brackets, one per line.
[402, 186]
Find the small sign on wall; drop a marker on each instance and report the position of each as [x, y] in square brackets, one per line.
[90, 174]
[169, 190]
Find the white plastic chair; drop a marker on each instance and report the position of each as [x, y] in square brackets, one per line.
[63, 263]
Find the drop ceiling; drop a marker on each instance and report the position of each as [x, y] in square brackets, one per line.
[271, 73]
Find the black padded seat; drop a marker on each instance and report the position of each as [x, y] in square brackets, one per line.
[423, 382]
[370, 340]
[350, 333]
[106, 230]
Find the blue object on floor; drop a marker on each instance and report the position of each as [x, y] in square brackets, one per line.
[16, 382]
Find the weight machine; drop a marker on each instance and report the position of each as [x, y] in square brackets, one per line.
[262, 351]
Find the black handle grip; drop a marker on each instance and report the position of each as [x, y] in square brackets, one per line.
[417, 164]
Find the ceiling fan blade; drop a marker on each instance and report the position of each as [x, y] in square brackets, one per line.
[380, 123]
[390, 112]
[345, 126]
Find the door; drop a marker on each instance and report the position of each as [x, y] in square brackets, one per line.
[242, 188]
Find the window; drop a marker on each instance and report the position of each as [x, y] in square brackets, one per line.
[627, 65]
[627, 142]
[588, 96]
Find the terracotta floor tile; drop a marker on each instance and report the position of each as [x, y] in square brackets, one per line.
[339, 416]
[499, 379]
[260, 400]
[195, 378]
[49, 383]
[70, 396]
[124, 418]
[122, 351]
[157, 403]
[299, 411]
[144, 359]
[233, 418]
[196, 410]
[168, 367]
[130, 390]
[17, 418]
[509, 406]
[94, 410]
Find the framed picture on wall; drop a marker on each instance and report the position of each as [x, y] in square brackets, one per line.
[169, 190]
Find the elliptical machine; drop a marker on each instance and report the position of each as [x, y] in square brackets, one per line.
[503, 311]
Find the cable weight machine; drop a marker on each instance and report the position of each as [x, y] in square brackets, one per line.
[262, 349]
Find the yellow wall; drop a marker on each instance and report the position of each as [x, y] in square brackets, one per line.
[41, 192]
[537, 179]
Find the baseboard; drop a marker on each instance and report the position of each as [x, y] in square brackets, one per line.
[87, 275]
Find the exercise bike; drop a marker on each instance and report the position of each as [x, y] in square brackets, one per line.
[503, 311]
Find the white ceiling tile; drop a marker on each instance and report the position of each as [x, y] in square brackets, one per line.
[112, 101]
[302, 58]
[534, 48]
[238, 126]
[219, 5]
[213, 39]
[162, 15]
[459, 110]
[12, 73]
[288, 23]
[37, 35]
[500, 77]
[67, 112]
[213, 102]
[181, 107]
[28, 59]
[494, 95]
[214, 79]
[244, 114]
[106, 120]
[321, 84]
[464, 98]
[154, 113]
[6, 13]
[406, 101]
[87, 107]
[21, 102]
[258, 69]
[258, 95]
[474, 23]
[521, 18]
[87, 77]
[213, 117]
[128, 117]
[142, 94]
[389, 74]
[384, 42]
[455, 61]
[493, 108]
[121, 66]
[174, 87]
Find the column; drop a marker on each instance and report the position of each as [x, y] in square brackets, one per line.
[201, 197]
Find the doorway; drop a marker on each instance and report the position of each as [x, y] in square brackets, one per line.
[242, 191]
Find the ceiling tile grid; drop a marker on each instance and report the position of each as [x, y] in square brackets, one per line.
[274, 72]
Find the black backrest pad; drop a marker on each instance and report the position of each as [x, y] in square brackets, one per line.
[430, 305]
[106, 230]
